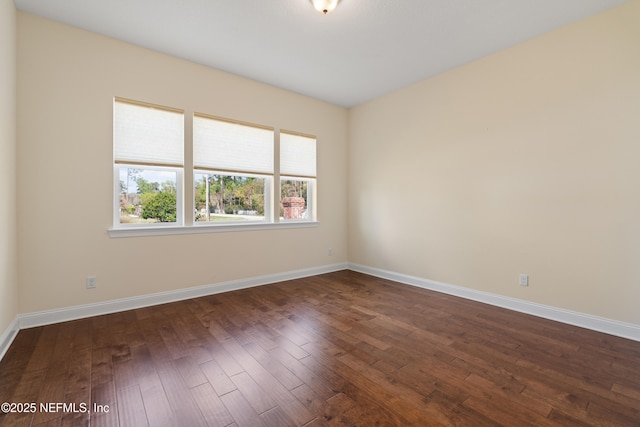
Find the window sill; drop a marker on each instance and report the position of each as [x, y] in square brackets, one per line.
[203, 229]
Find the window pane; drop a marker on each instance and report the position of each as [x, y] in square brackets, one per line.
[222, 197]
[147, 195]
[294, 199]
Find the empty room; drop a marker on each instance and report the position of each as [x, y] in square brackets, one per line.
[319, 213]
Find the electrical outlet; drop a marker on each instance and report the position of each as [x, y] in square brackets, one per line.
[330, 252]
[91, 282]
[524, 280]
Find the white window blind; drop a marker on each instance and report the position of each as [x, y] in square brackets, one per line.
[229, 146]
[297, 155]
[148, 134]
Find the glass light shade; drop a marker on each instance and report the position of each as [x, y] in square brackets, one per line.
[325, 6]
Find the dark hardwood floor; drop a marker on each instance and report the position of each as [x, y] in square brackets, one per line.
[341, 349]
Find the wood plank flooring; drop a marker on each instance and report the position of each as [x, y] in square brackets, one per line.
[340, 349]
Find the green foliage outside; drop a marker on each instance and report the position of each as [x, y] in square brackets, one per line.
[160, 206]
[228, 194]
[152, 202]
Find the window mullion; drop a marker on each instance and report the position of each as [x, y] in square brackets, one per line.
[275, 192]
[188, 207]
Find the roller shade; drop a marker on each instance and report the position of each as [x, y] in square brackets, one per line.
[148, 134]
[230, 146]
[297, 155]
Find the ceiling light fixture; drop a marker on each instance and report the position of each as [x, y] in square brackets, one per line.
[325, 6]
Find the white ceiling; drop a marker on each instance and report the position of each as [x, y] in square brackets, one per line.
[364, 49]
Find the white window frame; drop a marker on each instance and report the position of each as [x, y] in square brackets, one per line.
[309, 171]
[179, 195]
[185, 176]
[311, 197]
[138, 161]
[265, 169]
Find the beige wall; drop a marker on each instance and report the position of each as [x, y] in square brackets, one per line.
[68, 79]
[8, 219]
[526, 161]
[522, 162]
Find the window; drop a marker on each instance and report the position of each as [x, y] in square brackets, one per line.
[229, 198]
[148, 161]
[233, 170]
[243, 174]
[297, 176]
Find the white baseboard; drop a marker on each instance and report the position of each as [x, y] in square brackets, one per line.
[8, 336]
[48, 317]
[600, 324]
[28, 320]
